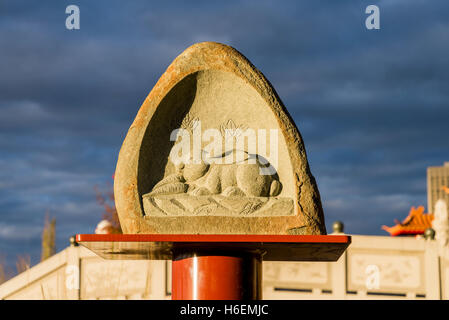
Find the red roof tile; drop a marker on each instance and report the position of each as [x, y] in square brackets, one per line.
[416, 223]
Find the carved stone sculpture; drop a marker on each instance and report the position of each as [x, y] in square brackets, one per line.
[237, 188]
[213, 150]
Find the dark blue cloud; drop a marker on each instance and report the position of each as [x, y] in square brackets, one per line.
[372, 106]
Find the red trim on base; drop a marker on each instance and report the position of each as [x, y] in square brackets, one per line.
[212, 238]
[162, 246]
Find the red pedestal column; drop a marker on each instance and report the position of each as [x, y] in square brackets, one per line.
[216, 276]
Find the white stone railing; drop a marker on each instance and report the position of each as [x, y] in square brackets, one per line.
[76, 273]
[372, 268]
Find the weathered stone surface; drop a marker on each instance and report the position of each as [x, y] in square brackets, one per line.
[212, 86]
[215, 205]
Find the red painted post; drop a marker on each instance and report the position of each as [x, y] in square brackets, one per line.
[210, 276]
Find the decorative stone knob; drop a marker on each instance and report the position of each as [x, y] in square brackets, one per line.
[429, 234]
[338, 227]
[73, 242]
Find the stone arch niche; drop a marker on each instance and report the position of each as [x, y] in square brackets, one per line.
[211, 87]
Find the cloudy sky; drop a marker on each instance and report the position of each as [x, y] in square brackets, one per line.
[372, 105]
